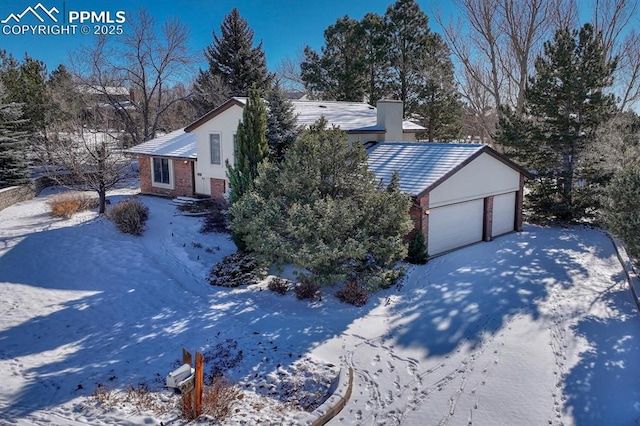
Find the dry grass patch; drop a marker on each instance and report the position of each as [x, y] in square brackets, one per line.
[66, 205]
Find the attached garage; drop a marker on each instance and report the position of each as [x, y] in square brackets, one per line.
[504, 213]
[455, 225]
[463, 193]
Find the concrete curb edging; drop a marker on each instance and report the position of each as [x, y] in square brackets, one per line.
[335, 403]
[627, 266]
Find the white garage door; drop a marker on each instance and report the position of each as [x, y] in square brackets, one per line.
[504, 212]
[455, 226]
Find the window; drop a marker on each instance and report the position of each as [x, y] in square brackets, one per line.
[235, 150]
[161, 171]
[214, 144]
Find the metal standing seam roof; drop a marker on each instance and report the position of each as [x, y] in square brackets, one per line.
[177, 144]
[420, 164]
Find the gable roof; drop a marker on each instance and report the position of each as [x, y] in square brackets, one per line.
[352, 117]
[423, 166]
[177, 144]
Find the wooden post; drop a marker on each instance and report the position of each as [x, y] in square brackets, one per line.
[186, 398]
[199, 382]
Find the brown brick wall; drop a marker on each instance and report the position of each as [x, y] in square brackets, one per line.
[218, 188]
[183, 184]
[418, 214]
[487, 225]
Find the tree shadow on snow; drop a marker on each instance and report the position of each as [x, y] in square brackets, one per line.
[603, 388]
[126, 317]
[461, 296]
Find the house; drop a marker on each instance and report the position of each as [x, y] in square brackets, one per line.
[463, 193]
[192, 161]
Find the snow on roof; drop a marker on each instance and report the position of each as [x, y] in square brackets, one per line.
[420, 164]
[177, 144]
[349, 116]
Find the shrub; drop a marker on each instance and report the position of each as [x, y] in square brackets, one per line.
[307, 290]
[214, 221]
[130, 216]
[353, 293]
[67, 205]
[235, 270]
[621, 208]
[417, 253]
[279, 285]
[218, 399]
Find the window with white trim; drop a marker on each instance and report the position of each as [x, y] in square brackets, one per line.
[214, 146]
[162, 175]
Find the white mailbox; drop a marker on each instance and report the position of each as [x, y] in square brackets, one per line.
[178, 379]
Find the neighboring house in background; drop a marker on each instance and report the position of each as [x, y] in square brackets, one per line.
[165, 168]
[463, 193]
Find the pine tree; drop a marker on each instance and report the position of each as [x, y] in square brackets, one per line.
[409, 36]
[438, 107]
[565, 103]
[234, 64]
[282, 127]
[251, 146]
[621, 209]
[322, 210]
[339, 73]
[13, 164]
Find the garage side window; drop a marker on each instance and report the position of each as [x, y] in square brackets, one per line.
[214, 146]
[161, 171]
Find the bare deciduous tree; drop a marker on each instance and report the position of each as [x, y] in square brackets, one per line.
[147, 62]
[495, 43]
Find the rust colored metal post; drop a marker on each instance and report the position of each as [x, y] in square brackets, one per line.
[199, 383]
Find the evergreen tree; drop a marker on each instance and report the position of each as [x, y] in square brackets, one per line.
[565, 103]
[251, 146]
[13, 164]
[282, 127]
[409, 36]
[376, 56]
[339, 73]
[322, 210]
[234, 64]
[65, 104]
[25, 84]
[438, 107]
[621, 209]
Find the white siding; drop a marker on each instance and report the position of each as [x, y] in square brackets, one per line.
[226, 125]
[504, 212]
[455, 226]
[482, 177]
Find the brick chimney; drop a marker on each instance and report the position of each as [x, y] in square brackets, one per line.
[390, 117]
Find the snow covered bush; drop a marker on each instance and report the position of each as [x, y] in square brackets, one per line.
[353, 293]
[219, 398]
[279, 285]
[237, 269]
[307, 290]
[130, 216]
[67, 205]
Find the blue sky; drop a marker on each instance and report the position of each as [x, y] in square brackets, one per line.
[284, 26]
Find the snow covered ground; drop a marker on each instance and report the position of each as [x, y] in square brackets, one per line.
[534, 328]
